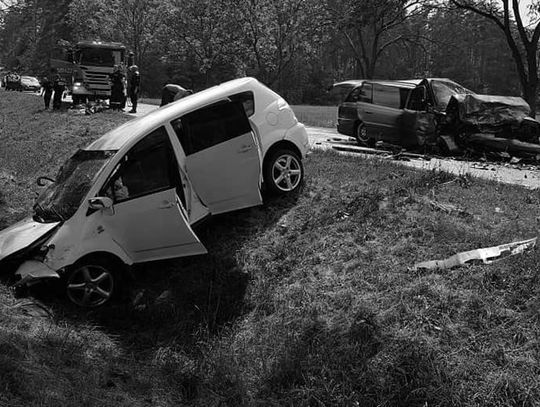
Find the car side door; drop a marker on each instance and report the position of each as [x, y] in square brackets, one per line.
[388, 103]
[148, 218]
[223, 160]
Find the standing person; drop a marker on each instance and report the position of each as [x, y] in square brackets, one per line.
[171, 92]
[58, 86]
[134, 83]
[46, 91]
[117, 79]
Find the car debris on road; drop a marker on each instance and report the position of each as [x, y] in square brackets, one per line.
[487, 255]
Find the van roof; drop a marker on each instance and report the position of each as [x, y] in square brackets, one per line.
[399, 84]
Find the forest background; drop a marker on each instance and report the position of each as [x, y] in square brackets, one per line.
[297, 47]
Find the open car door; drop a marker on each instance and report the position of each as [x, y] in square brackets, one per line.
[148, 218]
[222, 156]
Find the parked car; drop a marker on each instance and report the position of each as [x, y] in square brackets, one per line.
[30, 83]
[134, 195]
[12, 81]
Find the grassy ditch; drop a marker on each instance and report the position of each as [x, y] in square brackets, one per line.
[303, 301]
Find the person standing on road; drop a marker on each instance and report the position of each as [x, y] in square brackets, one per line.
[117, 79]
[46, 91]
[59, 86]
[172, 92]
[134, 83]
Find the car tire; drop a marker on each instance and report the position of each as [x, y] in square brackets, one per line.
[361, 135]
[283, 172]
[92, 283]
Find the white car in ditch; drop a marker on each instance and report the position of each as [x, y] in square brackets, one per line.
[133, 195]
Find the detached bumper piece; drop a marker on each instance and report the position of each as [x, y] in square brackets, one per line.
[33, 271]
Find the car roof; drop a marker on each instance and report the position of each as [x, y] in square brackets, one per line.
[354, 83]
[349, 83]
[399, 84]
[129, 133]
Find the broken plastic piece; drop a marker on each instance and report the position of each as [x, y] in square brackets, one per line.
[488, 255]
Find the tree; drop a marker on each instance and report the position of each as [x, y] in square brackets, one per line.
[207, 31]
[278, 34]
[28, 31]
[371, 27]
[523, 41]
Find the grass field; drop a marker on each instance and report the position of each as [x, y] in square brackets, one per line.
[305, 301]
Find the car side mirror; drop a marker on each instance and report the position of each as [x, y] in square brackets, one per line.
[42, 181]
[100, 202]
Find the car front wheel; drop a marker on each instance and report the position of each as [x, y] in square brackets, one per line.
[283, 172]
[91, 284]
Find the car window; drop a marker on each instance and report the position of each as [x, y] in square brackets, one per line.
[444, 90]
[354, 95]
[150, 166]
[366, 93]
[211, 126]
[389, 96]
[247, 100]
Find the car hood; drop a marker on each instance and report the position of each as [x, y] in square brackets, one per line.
[21, 235]
[488, 110]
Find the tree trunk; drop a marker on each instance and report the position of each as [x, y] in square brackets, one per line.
[529, 94]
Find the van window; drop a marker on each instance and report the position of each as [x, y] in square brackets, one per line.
[366, 93]
[211, 126]
[150, 166]
[388, 96]
[354, 95]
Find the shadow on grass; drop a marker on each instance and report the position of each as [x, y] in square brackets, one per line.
[178, 302]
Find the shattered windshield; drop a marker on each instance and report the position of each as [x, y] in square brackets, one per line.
[444, 90]
[61, 199]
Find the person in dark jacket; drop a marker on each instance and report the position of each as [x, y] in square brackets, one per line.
[171, 92]
[46, 91]
[134, 83]
[59, 86]
[118, 98]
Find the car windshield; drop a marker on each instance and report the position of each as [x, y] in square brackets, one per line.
[60, 200]
[444, 90]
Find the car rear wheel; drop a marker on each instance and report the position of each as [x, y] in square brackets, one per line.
[283, 172]
[361, 135]
[91, 284]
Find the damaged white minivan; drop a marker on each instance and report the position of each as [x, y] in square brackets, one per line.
[133, 195]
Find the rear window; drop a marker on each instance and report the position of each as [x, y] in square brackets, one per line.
[390, 96]
[210, 126]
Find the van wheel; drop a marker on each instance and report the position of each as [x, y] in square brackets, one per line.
[283, 172]
[91, 284]
[361, 135]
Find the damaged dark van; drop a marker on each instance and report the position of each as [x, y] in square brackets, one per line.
[373, 110]
[438, 115]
